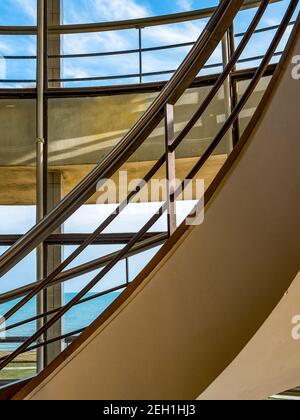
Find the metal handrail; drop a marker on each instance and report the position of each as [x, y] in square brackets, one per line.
[225, 12]
[68, 338]
[182, 79]
[104, 26]
[84, 268]
[130, 142]
[17, 339]
[136, 50]
[135, 75]
[79, 238]
[149, 87]
[94, 296]
[112, 26]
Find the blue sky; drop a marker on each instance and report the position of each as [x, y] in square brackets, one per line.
[83, 11]
[20, 219]
[23, 12]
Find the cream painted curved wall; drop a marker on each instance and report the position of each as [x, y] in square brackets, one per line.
[206, 300]
[270, 363]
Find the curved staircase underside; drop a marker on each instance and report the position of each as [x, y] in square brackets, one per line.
[187, 318]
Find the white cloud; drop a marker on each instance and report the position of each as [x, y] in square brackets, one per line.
[128, 39]
[104, 10]
[29, 7]
[5, 49]
[174, 34]
[185, 5]
[120, 9]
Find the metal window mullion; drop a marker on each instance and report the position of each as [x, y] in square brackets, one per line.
[170, 168]
[140, 55]
[40, 158]
[233, 86]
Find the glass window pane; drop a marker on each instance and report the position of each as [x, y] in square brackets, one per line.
[17, 166]
[82, 11]
[253, 102]
[17, 72]
[18, 12]
[25, 365]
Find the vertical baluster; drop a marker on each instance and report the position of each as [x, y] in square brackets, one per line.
[127, 271]
[40, 156]
[140, 55]
[171, 168]
[227, 90]
[233, 85]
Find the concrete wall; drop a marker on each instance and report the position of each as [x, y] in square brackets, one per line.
[207, 298]
[83, 130]
[270, 363]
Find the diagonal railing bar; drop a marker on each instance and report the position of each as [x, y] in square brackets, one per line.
[234, 115]
[148, 87]
[67, 335]
[104, 225]
[51, 341]
[59, 338]
[132, 75]
[129, 51]
[234, 59]
[250, 89]
[54, 311]
[84, 291]
[265, 29]
[126, 24]
[49, 279]
[135, 51]
[79, 272]
[184, 76]
[148, 49]
[151, 173]
[85, 268]
[88, 299]
[219, 83]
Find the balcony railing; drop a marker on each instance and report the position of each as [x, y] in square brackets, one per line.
[138, 53]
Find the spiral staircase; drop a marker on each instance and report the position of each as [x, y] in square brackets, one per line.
[209, 317]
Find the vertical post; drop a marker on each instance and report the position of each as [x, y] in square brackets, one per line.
[127, 271]
[227, 91]
[140, 55]
[54, 44]
[233, 86]
[40, 143]
[54, 295]
[171, 168]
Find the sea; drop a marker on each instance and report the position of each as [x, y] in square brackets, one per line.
[78, 317]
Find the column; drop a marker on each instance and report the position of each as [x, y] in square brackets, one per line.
[54, 295]
[54, 43]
